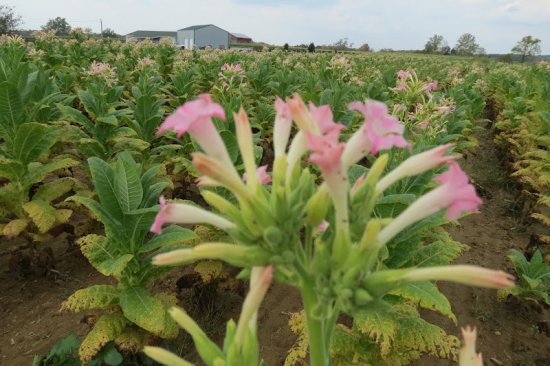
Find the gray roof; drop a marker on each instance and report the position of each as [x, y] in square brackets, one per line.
[194, 27]
[151, 34]
[240, 35]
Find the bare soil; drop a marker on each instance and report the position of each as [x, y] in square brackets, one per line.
[510, 332]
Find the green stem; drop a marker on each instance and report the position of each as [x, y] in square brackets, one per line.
[309, 246]
[318, 352]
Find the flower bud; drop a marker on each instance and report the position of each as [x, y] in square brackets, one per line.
[207, 349]
[236, 255]
[317, 207]
[164, 357]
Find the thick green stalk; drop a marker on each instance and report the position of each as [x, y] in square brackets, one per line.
[318, 352]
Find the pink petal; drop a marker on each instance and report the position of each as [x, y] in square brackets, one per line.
[160, 219]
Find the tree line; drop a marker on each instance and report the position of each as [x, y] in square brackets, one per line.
[466, 45]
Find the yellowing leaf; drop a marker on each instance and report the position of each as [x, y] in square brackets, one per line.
[55, 189]
[41, 213]
[131, 340]
[62, 216]
[94, 297]
[107, 329]
[209, 270]
[14, 228]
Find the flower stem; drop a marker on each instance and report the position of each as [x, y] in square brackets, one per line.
[318, 350]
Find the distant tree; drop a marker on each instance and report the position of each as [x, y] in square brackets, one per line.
[435, 44]
[109, 33]
[341, 44]
[527, 47]
[365, 47]
[9, 21]
[311, 47]
[467, 45]
[386, 50]
[285, 47]
[446, 50]
[59, 25]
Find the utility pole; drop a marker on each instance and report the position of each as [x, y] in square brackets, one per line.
[101, 26]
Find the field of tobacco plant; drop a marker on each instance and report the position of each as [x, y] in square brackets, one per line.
[173, 207]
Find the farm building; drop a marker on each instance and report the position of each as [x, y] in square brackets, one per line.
[200, 36]
[240, 38]
[154, 36]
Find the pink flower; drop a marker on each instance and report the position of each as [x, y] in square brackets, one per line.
[282, 127]
[195, 117]
[323, 116]
[463, 197]
[417, 164]
[192, 115]
[402, 74]
[160, 219]
[326, 150]
[430, 87]
[454, 194]
[382, 130]
[467, 355]
[402, 86]
[424, 124]
[323, 226]
[261, 173]
[238, 68]
[180, 213]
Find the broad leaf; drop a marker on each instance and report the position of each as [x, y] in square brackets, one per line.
[426, 295]
[143, 309]
[103, 177]
[11, 110]
[33, 140]
[106, 329]
[92, 298]
[127, 183]
[41, 213]
[53, 190]
[170, 236]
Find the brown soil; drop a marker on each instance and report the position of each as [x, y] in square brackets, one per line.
[511, 332]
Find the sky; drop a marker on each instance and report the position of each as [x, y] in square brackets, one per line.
[398, 24]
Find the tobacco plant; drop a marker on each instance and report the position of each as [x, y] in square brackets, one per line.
[533, 278]
[322, 236]
[125, 206]
[27, 201]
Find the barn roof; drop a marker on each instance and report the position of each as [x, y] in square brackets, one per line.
[240, 35]
[195, 27]
[151, 34]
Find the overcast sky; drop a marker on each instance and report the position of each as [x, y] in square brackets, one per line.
[397, 24]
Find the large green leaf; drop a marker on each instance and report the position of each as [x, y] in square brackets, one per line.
[112, 225]
[103, 177]
[10, 169]
[107, 328]
[127, 183]
[103, 255]
[11, 110]
[33, 140]
[92, 298]
[90, 103]
[75, 115]
[426, 295]
[170, 236]
[377, 322]
[143, 309]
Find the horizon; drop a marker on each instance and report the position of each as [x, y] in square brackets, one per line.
[396, 24]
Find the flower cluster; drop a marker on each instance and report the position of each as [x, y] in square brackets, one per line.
[338, 269]
[103, 71]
